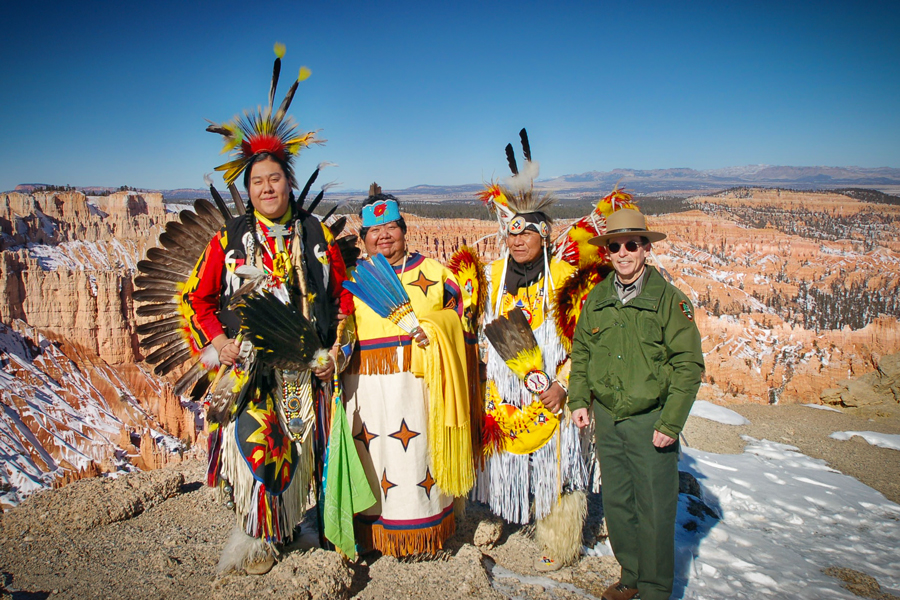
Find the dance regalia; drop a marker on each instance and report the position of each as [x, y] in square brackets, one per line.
[510, 479]
[265, 451]
[388, 411]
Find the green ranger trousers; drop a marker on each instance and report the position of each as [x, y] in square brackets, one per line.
[640, 499]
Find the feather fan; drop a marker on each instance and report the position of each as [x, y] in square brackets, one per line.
[281, 335]
[512, 338]
[378, 286]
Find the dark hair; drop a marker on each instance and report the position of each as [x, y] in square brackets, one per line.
[285, 167]
[372, 200]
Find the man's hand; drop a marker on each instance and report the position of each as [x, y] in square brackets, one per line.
[582, 417]
[229, 350]
[554, 398]
[661, 440]
[324, 373]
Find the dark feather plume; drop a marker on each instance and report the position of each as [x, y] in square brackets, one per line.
[162, 324]
[286, 103]
[151, 269]
[510, 335]
[526, 147]
[156, 310]
[173, 361]
[153, 295]
[350, 252]
[220, 202]
[511, 159]
[157, 283]
[282, 336]
[236, 197]
[315, 202]
[162, 337]
[337, 227]
[312, 179]
[276, 71]
[170, 259]
[164, 353]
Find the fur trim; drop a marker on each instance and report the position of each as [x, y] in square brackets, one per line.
[240, 551]
[559, 533]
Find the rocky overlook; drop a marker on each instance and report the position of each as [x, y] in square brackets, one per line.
[795, 293]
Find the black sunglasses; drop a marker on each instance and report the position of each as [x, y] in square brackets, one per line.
[630, 245]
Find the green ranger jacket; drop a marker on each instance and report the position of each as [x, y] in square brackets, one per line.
[638, 357]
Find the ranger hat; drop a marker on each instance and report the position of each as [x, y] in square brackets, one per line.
[626, 221]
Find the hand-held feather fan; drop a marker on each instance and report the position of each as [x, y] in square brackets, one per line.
[378, 286]
[512, 338]
[282, 336]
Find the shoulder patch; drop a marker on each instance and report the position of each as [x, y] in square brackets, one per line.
[686, 309]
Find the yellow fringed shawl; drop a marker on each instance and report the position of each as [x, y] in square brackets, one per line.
[442, 363]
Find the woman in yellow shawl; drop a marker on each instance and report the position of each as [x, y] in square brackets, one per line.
[393, 390]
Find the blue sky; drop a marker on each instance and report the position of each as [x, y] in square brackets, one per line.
[408, 93]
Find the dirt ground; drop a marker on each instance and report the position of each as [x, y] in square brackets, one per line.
[159, 534]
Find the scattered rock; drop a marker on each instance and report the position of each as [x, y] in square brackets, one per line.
[859, 583]
[488, 532]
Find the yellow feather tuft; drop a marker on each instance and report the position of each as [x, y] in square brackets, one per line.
[304, 74]
[526, 361]
[280, 49]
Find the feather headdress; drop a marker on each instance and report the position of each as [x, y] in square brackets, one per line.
[573, 245]
[263, 130]
[378, 286]
[516, 194]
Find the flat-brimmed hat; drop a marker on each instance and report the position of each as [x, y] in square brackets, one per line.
[626, 221]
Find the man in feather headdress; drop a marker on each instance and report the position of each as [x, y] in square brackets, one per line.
[267, 426]
[533, 450]
[636, 356]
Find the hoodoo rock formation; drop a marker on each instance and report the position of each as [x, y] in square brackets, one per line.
[71, 383]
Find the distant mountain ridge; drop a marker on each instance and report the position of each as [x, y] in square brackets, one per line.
[641, 181]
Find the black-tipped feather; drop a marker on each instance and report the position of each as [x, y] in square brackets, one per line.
[286, 103]
[163, 257]
[236, 197]
[153, 295]
[220, 202]
[315, 202]
[190, 377]
[282, 336]
[165, 352]
[157, 283]
[162, 324]
[312, 179]
[163, 337]
[337, 227]
[350, 252]
[191, 230]
[526, 147]
[155, 310]
[206, 213]
[511, 159]
[510, 335]
[152, 269]
[174, 361]
[276, 71]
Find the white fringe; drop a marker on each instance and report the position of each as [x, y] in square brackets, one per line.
[507, 479]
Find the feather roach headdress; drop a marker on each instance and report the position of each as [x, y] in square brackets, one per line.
[516, 194]
[264, 130]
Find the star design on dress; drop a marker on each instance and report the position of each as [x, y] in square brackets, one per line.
[365, 436]
[427, 483]
[422, 282]
[386, 484]
[272, 446]
[404, 434]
